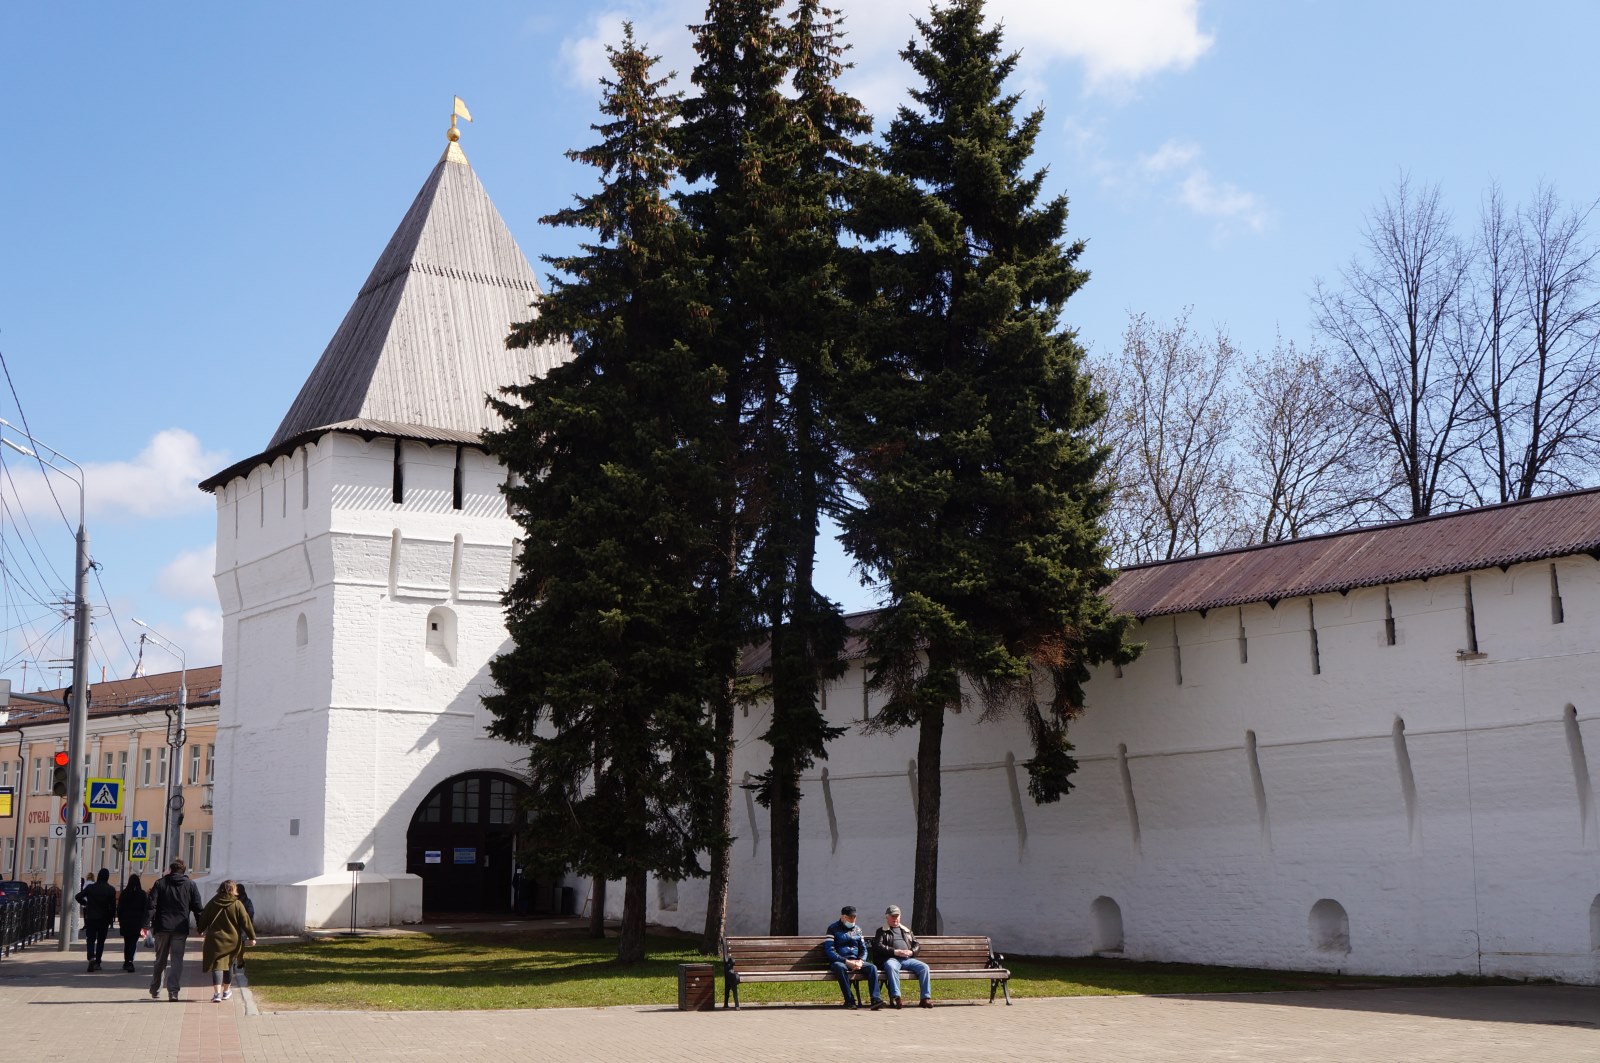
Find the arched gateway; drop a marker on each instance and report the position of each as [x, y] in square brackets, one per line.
[462, 843]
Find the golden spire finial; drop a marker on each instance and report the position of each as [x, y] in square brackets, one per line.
[453, 152]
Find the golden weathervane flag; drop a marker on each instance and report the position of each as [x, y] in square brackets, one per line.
[461, 110]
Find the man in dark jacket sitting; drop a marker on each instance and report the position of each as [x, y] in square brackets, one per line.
[172, 899]
[896, 947]
[846, 949]
[99, 900]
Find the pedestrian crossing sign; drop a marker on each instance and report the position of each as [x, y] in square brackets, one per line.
[138, 850]
[104, 796]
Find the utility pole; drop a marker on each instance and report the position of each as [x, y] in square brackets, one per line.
[77, 724]
[177, 735]
[78, 711]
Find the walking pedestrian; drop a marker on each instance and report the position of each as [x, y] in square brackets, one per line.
[99, 900]
[228, 929]
[133, 916]
[172, 899]
[250, 909]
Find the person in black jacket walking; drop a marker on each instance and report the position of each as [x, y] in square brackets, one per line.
[99, 900]
[133, 915]
[173, 899]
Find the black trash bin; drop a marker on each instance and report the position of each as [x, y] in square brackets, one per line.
[569, 901]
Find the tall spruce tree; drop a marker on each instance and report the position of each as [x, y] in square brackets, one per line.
[616, 488]
[766, 146]
[971, 428]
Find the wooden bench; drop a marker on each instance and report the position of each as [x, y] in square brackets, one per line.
[802, 959]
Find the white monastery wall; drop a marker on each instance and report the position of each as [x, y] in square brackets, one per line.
[358, 638]
[1227, 785]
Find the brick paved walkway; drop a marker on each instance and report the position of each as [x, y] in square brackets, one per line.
[51, 1009]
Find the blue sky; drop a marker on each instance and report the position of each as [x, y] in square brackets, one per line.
[192, 194]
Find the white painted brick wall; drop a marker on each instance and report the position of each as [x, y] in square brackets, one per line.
[1498, 874]
[349, 732]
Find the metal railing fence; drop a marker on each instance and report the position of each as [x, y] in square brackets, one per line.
[25, 920]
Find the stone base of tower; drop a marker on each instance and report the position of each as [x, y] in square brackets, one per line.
[324, 902]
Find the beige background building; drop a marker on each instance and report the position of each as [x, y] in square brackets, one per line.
[128, 740]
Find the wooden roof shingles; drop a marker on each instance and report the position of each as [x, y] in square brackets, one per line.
[423, 344]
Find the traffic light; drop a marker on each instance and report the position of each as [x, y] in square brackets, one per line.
[58, 776]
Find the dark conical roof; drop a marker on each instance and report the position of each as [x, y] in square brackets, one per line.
[424, 342]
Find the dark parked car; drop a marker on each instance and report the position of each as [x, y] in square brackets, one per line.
[13, 890]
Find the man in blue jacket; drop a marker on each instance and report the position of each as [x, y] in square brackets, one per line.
[846, 950]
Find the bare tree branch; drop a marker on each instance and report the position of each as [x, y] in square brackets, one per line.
[1171, 409]
[1397, 317]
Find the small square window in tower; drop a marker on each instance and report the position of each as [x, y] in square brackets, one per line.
[441, 636]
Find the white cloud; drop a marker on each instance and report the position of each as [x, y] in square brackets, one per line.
[187, 577]
[201, 636]
[660, 27]
[1175, 167]
[1116, 44]
[1173, 155]
[1221, 200]
[159, 481]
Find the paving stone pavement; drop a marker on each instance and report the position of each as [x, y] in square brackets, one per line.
[50, 1008]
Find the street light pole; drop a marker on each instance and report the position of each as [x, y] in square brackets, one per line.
[177, 735]
[78, 711]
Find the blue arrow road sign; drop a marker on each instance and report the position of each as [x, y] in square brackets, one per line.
[141, 828]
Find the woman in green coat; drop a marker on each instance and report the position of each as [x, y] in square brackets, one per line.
[228, 929]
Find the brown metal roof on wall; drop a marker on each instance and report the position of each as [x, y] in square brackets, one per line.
[1488, 537]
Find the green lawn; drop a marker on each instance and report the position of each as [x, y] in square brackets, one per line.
[452, 972]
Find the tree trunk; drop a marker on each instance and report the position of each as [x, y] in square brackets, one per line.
[722, 825]
[785, 847]
[925, 885]
[597, 908]
[630, 940]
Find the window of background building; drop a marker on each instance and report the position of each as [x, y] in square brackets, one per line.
[194, 764]
[161, 766]
[154, 863]
[30, 850]
[205, 848]
[38, 768]
[9, 860]
[122, 765]
[107, 772]
[5, 773]
[144, 773]
[44, 854]
[211, 762]
[188, 849]
[99, 857]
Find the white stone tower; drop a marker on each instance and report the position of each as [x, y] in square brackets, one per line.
[360, 563]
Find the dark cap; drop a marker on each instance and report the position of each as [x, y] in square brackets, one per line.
[848, 909]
